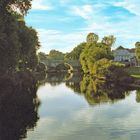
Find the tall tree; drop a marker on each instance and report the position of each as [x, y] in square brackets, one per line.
[21, 6]
[93, 52]
[109, 40]
[9, 43]
[29, 45]
[18, 43]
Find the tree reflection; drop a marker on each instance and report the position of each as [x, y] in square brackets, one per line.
[97, 91]
[74, 83]
[18, 108]
[56, 78]
[138, 96]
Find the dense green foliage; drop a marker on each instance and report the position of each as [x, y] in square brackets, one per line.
[15, 5]
[92, 38]
[42, 56]
[41, 68]
[96, 57]
[55, 55]
[9, 43]
[92, 53]
[109, 40]
[75, 53]
[105, 68]
[134, 71]
[18, 43]
[137, 53]
[29, 45]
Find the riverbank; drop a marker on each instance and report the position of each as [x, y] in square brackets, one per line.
[133, 71]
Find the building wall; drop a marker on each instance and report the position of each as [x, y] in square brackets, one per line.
[122, 55]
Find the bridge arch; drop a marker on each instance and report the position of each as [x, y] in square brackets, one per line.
[64, 67]
[53, 65]
[69, 66]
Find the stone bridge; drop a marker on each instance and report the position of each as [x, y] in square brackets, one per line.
[73, 65]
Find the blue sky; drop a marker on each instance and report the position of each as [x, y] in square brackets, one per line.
[63, 24]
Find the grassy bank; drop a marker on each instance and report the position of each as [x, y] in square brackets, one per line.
[133, 71]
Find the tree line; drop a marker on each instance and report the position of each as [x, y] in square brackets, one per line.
[96, 57]
[18, 42]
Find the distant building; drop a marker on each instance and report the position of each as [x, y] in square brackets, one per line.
[122, 54]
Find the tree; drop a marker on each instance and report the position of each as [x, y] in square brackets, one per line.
[75, 53]
[55, 55]
[137, 53]
[29, 45]
[108, 69]
[109, 40]
[9, 43]
[15, 5]
[92, 38]
[42, 56]
[18, 43]
[92, 53]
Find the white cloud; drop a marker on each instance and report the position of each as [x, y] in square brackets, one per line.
[63, 2]
[99, 122]
[54, 39]
[84, 11]
[126, 34]
[131, 6]
[40, 5]
[125, 28]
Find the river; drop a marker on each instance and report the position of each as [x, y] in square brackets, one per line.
[67, 114]
[66, 107]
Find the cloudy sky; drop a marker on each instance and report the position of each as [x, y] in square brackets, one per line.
[62, 24]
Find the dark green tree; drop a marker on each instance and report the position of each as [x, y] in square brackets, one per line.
[42, 56]
[29, 45]
[9, 43]
[55, 55]
[18, 43]
[75, 53]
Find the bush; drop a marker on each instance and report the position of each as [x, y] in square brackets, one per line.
[112, 71]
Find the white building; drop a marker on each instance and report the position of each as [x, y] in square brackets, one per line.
[124, 55]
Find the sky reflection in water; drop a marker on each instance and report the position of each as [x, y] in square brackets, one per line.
[66, 115]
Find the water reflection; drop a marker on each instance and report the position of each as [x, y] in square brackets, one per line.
[97, 91]
[56, 78]
[18, 108]
[138, 96]
[94, 91]
[60, 108]
[66, 115]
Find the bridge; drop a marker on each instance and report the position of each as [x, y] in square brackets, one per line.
[71, 65]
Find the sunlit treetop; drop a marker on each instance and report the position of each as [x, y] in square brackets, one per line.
[92, 37]
[19, 6]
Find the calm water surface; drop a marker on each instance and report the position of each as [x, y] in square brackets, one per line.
[67, 114]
